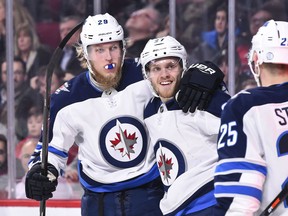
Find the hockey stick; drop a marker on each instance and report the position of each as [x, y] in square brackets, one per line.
[49, 72]
[275, 203]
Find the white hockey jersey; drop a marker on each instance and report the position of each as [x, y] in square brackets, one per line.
[253, 152]
[186, 153]
[114, 149]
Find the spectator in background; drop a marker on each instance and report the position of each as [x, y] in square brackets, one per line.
[272, 9]
[56, 81]
[34, 125]
[25, 97]
[30, 50]
[193, 18]
[141, 26]
[68, 61]
[64, 189]
[213, 41]
[25, 153]
[222, 62]
[257, 18]
[20, 15]
[3, 167]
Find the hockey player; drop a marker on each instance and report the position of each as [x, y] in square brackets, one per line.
[102, 112]
[252, 145]
[116, 165]
[185, 144]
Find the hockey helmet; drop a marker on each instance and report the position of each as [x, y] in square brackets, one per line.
[101, 28]
[162, 47]
[271, 43]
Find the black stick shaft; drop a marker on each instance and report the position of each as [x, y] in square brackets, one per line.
[275, 203]
[46, 112]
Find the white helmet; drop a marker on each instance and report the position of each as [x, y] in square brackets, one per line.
[162, 47]
[271, 45]
[101, 28]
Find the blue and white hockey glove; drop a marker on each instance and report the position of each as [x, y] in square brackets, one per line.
[197, 86]
[38, 186]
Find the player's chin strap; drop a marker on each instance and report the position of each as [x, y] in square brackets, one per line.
[45, 135]
[275, 203]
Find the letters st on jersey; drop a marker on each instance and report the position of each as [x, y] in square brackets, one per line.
[123, 142]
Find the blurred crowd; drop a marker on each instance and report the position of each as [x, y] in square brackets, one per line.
[39, 26]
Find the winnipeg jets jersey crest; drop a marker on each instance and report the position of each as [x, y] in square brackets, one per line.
[123, 141]
[170, 161]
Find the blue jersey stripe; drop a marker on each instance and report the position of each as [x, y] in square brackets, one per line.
[57, 152]
[230, 166]
[98, 187]
[238, 190]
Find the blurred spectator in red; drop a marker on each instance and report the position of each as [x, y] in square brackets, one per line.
[141, 26]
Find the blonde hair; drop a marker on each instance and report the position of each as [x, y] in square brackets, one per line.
[80, 55]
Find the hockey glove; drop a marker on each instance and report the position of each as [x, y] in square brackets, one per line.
[197, 86]
[38, 186]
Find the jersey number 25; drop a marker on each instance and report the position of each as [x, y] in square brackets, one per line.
[228, 136]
